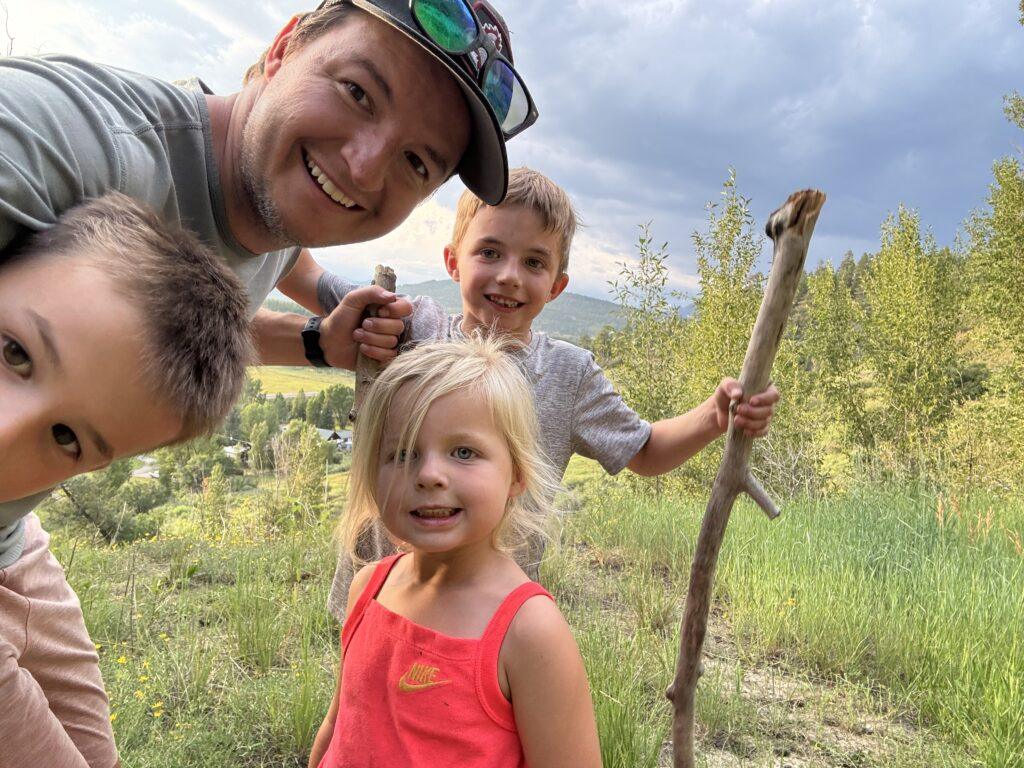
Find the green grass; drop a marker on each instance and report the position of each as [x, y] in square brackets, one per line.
[877, 630]
[292, 380]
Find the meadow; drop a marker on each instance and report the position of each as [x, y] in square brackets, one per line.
[290, 381]
[879, 628]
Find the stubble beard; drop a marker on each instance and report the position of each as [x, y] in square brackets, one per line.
[255, 188]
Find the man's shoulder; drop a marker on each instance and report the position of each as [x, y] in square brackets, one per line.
[126, 98]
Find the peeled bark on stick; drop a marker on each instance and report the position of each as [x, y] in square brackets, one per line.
[367, 368]
[790, 227]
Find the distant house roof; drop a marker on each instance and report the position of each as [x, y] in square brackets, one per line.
[329, 434]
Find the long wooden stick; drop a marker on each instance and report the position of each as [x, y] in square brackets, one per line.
[790, 227]
[367, 368]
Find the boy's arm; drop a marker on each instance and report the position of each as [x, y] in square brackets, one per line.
[675, 440]
[343, 333]
[549, 691]
[326, 732]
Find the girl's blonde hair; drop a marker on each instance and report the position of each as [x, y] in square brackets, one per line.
[483, 367]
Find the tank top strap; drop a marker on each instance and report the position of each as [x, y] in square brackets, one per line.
[373, 586]
[491, 697]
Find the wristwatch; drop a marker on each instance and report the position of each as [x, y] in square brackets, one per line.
[311, 341]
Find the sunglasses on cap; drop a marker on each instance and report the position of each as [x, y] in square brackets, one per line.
[455, 28]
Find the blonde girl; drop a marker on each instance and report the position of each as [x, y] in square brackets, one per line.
[450, 654]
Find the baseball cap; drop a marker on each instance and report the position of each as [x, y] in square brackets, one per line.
[484, 165]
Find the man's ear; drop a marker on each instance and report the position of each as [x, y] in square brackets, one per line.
[277, 50]
[556, 290]
[451, 263]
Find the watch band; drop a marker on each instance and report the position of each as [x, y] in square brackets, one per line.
[311, 342]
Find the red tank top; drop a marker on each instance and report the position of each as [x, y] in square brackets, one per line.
[415, 698]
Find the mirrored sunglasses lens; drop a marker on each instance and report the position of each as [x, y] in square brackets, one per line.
[506, 95]
[449, 23]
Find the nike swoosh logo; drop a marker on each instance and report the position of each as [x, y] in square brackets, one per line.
[407, 687]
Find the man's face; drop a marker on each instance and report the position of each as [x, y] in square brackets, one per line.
[349, 133]
[508, 268]
[72, 397]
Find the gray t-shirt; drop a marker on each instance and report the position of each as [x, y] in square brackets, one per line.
[71, 129]
[578, 409]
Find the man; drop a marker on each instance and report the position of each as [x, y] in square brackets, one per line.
[353, 116]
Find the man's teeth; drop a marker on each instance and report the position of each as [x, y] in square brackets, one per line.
[446, 512]
[504, 302]
[328, 186]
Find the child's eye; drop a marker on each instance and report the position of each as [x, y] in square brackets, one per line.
[16, 357]
[403, 455]
[359, 95]
[417, 165]
[67, 440]
[463, 453]
[535, 264]
[490, 253]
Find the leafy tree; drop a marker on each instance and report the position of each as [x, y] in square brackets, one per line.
[649, 344]
[337, 404]
[109, 503]
[281, 409]
[996, 238]
[315, 412]
[832, 343]
[914, 300]
[298, 411]
[301, 457]
[184, 467]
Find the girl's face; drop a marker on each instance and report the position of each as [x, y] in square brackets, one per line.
[450, 492]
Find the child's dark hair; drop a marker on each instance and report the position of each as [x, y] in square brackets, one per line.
[195, 310]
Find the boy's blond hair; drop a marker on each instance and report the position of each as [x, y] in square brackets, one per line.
[484, 368]
[536, 192]
[194, 309]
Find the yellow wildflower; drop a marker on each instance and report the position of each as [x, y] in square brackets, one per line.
[122, 659]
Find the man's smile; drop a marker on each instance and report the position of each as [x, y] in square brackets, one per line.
[329, 187]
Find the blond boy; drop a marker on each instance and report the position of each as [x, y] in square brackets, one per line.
[118, 334]
[510, 260]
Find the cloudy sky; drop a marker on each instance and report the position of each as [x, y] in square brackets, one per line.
[646, 103]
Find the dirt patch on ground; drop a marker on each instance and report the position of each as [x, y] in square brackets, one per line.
[770, 715]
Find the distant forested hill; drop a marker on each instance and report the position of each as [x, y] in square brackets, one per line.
[571, 316]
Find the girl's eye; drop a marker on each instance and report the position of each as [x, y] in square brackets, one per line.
[464, 453]
[16, 357]
[358, 94]
[489, 253]
[417, 165]
[403, 455]
[67, 440]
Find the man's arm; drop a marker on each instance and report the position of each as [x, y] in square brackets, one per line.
[300, 284]
[674, 441]
[343, 333]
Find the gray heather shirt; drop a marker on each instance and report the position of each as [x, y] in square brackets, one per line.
[578, 409]
[71, 129]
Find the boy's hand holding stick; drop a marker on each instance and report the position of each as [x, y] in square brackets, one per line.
[368, 368]
[790, 227]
